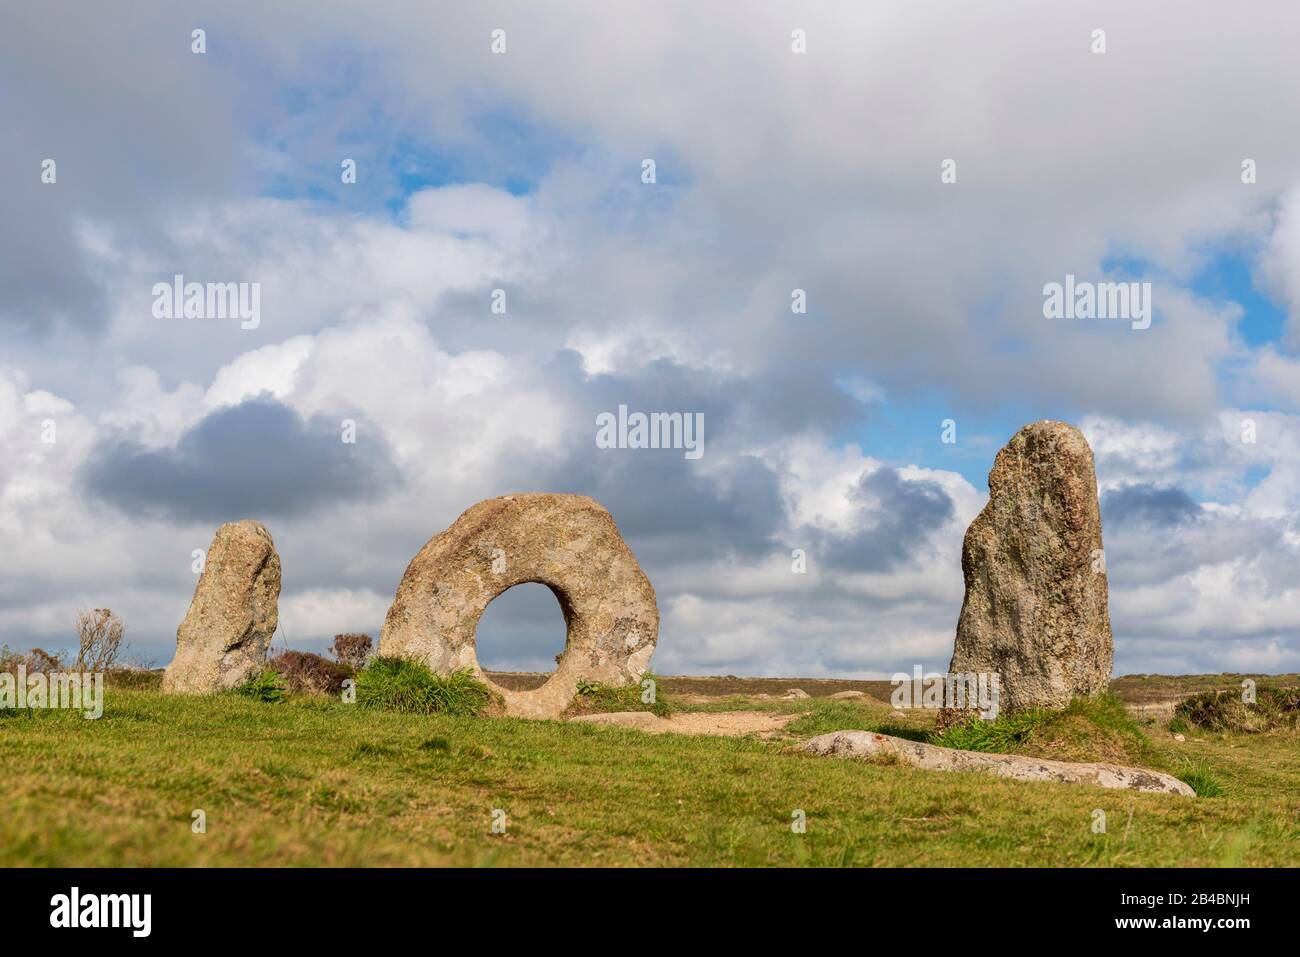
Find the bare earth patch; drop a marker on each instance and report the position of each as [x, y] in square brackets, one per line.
[765, 724]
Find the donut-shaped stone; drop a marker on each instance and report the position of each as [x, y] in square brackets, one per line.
[568, 543]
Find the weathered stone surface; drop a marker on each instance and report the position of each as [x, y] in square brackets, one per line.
[929, 757]
[566, 542]
[223, 640]
[1035, 610]
[796, 694]
[845, 695]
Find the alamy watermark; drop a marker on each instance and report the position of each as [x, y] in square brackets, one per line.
[1129, 301]
[64, 690]
[75, 909]
[179, 299]
[651, 430]
[961, 690]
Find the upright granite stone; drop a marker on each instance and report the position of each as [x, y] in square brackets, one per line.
[1035, 610]
[568, 543]
[223, 640]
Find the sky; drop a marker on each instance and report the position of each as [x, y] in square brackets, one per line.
[921, 171]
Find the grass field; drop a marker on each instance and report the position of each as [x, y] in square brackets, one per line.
[314, 781]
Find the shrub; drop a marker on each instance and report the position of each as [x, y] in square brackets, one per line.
[1273, 709]
[267, 686]
[352, 650]
[138, 679]
[36, 660]
[396, 684]
[99, 639]
[305, 673]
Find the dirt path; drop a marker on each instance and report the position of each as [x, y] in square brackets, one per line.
[765, 724]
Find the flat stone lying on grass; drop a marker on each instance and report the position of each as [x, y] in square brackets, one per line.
[840, 695]
[796, 694]
[929, 757]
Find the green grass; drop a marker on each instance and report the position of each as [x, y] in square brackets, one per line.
[1202, 779]
[595, 697]
[1090, 729]
[824, 716]
[408, 687]
[268, 686]
[316, 781]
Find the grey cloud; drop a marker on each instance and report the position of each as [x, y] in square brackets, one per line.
[896, 515]
[253, 460]
[1147, 505]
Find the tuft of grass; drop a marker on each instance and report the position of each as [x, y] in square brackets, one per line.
[1089, 729]
[409, 687]
[367, 749]
[594, 697]
[268, 686]
[824, 715]
[1202, 780]
[1004, 734]
[1273, 709]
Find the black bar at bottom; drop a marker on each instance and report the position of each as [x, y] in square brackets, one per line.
[368, 907]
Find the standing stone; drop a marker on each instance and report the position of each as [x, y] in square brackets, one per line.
[1035, 611]
[566, 542]
[223, 640]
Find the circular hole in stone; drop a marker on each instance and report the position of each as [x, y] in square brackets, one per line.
[521, 630]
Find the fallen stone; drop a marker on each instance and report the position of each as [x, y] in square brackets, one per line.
[568, 543]
[873, 746]
[796, 694]
[222, 642]
[1035, 611]
[844, 695]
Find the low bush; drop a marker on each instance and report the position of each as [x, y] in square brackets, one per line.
[36, 660]
[99, 639]
[305, 673]
[1273, 709]
[396, 684]
[352, 650]
[137, 679]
